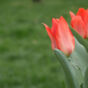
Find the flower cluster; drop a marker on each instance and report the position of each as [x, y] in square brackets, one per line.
[61, 35]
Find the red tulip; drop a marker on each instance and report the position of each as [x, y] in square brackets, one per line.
[61, 36]
[79, 22]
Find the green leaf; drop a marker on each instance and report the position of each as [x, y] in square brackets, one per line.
[86, 79]
[67, 69]
[74, 66]
[84, 42]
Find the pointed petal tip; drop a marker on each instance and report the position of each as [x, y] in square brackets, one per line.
[44, 24]
[72, 14]
[81, 9]
[50, 34]
[55, 20]
[61, 17]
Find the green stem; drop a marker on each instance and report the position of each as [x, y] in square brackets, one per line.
[71, 81]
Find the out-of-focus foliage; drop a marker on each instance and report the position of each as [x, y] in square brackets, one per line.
[26, 59]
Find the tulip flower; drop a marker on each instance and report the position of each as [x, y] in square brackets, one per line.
[61, 36]
[79, 22]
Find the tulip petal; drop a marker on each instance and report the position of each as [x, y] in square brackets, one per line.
[84, 15]
[50, 34]
[72, 14]
[64, 38]
[81, 12]
[78, 25]
[54, 26]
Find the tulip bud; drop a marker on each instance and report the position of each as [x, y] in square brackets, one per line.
[61, 36]
[79, 22]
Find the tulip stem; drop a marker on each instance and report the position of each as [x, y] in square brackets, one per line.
[72, 83]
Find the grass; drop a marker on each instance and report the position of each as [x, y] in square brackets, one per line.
[26, 58]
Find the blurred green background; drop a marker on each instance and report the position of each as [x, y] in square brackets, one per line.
[26, 57]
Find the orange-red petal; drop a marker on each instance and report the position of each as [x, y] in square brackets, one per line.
[54, 26]
[84, 15]
[64, 38]
[81, 12]
[50, 34]
[78, 25]
[72, 14]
